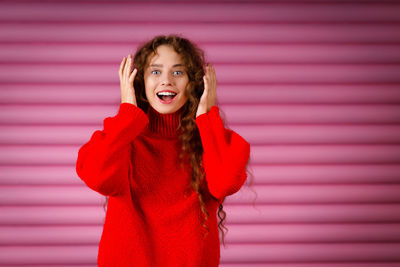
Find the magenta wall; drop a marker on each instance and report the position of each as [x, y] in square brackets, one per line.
[314, 86]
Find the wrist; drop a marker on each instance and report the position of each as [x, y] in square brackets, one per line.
[130, 101]
[200, 110]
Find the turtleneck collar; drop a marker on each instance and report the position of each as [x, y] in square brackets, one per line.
[163, 125]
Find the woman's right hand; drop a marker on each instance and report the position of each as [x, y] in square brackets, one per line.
[126, 77]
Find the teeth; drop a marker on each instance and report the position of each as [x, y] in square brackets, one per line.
[166, 93]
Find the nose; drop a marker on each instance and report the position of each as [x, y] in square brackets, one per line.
[166, 78]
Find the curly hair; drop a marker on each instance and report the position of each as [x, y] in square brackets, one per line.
[192, 149]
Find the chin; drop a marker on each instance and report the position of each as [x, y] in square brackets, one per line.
[166, 109]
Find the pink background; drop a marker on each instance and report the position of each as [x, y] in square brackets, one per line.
[314, 86]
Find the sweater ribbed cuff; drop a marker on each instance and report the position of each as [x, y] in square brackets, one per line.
[126, 125]
[128, 109]
[201, 119]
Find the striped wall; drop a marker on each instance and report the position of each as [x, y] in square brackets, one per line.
[314, 86]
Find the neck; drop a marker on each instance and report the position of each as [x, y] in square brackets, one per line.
[164, 125]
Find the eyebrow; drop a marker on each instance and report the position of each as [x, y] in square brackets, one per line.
[160, 65]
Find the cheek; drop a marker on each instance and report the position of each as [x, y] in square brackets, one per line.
[184, 86]
[185, 96]
[184, 83]
[148, 85]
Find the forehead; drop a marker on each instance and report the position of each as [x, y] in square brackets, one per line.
[166, 56]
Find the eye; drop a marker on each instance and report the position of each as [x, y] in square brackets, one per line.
[178, 72]
[153, 71]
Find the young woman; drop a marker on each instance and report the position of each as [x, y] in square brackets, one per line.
[165, 161]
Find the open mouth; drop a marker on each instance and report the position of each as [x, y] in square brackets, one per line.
[166, 96]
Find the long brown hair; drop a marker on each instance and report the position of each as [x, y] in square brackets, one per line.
[193, 58]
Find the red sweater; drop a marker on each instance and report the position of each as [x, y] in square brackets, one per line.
[153, 215]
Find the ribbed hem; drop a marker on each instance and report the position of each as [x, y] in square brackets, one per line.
[130, 109]
[204, 117]
[127, 124]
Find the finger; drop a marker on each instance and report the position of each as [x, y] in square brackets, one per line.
[121, 67]
[128, 66]
[132, 76]
[205, 91]
[208, 74]
[206, 83]
[213, 76]
[212, 73]
[208, 67]
[212, 86]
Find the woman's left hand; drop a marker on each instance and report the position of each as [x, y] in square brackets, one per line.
[209, 96]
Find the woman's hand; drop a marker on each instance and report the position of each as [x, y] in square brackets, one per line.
[126, 77]
[209, 96]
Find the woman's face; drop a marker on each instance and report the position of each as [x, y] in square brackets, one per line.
[165, 80]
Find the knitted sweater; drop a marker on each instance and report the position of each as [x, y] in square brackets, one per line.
[153, 215]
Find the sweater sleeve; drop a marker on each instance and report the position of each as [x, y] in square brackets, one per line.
[103, 162]
[225, 155]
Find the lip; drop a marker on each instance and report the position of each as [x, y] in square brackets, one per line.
[167, 91]
[169, 101]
